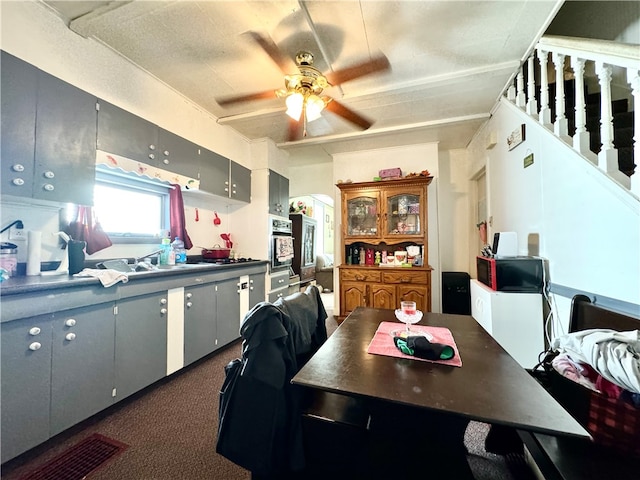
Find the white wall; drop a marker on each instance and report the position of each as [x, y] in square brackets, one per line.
[362, 166]
[588, 226]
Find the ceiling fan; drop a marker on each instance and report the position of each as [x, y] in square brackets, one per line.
[303, 90]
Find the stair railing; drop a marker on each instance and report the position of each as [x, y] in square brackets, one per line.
[580, 53]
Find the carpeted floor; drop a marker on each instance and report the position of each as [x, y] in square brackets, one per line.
[171, 427]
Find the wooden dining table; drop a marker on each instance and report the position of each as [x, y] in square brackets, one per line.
[428, 405]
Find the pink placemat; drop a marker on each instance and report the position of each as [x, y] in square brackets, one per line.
[382, 342]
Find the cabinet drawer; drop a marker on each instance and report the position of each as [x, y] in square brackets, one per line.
[279, 280]
[360, 275]
[406, 277]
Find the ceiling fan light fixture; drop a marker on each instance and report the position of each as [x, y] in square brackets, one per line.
[314, 107]
[295, 103]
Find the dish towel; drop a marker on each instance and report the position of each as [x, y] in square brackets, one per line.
[177, 221]
[108, 277]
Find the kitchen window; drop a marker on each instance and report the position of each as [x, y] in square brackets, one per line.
[130, 208]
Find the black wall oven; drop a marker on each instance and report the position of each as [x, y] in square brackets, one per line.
[280, 243]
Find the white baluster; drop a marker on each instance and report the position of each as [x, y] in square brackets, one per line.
[560, 126]
[532, 104]
[545, 111]
[511, 92]
[521, 99]
[633, 77]
[581, 137]
[608, 156]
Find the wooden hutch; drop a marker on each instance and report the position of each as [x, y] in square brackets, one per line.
[384, 216]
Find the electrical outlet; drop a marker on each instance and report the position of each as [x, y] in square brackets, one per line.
[17, 233]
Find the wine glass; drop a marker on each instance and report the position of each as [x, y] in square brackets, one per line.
[407, 314]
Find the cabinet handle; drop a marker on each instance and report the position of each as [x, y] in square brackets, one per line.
[70, 336]
[48, 187]
[18, 167]
[405, 280]
[71, 322]
[189, 304]
[188, 295]
[18, 182]
[152, 147]
[281, 280]
[165, 161]
[152, 156]
[34, 331]
[35, 346]
[359, 278]
[163, 301]
[166, 153]
[49, 174]
[163, 311]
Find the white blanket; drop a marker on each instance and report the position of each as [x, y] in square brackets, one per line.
[614, 355]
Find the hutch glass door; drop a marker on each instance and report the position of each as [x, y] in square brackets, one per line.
[403, 214]
[362, 216]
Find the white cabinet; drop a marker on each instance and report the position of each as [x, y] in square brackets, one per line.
[515, 320]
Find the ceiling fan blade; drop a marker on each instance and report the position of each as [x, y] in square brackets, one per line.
[223, 102]
[376, 64]
[348, 114]
[269, 46]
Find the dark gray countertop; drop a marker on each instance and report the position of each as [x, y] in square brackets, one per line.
[41, 283]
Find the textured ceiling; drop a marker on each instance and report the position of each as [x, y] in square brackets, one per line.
[450, 60]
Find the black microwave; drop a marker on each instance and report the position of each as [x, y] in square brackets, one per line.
[511, 274]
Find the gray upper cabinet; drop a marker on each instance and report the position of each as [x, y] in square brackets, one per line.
[65, 154]
[141, 342]
[278, 194]
[177, 154]
[126, 134]
[223, 177]
[82, 366]
[48, 136]
[18, 112]
[26, 383]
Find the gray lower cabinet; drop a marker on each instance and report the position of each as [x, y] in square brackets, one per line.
[82, 369]
[257, 285]
[211, 318]
[140, 343]
[26, 383]
[199, 321]
[227, 312]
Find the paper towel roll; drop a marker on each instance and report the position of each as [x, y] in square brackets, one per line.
[34, 249]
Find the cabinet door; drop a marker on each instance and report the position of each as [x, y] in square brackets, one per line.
[240, 183]
[177, 154]
[26, 385]
[214, 173]
[257, 289]
[404, 216]
[352, 296]
[227, 312]
[361, 214]
[199, 321]
[481, 305]
[383, 296]
[415, 293]
[82, 373]
[141, 343]
[65, 154]
[126, 134]
[278, 194]
[18, 112]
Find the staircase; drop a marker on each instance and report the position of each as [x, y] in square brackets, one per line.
[602, 129]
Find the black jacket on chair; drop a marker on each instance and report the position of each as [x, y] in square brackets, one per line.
[260, 410]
